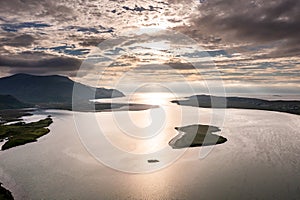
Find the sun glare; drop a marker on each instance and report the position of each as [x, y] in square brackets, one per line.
[153, 98]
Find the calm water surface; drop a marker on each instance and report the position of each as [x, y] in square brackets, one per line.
[260, 159]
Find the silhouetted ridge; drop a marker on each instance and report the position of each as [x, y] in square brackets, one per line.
[10, 102]
[52, 89]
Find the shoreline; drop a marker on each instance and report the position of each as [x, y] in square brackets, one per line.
[220, 102]
[21, 133]
[5, 194]
[10, 184]
[96, 168]
[196, 135]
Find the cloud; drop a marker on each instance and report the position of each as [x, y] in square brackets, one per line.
[141, 8]
[212, 53]
[96, 30]
[35, 63]
[37, 9]
[90, 41]
[17, 40]
[240, 36]
[253, 22]
[65, 49]
[14, 27]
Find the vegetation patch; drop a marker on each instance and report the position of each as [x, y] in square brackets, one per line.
[22, 133]
[195, 136]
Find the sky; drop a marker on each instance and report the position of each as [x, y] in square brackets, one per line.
[246, 44]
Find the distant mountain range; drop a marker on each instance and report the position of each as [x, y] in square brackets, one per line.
[207, 101]
[48, 90]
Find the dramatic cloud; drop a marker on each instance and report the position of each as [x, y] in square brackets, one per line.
[34, 63]
[37, 9]
[275, 22]
[17, 40]
[252, 40]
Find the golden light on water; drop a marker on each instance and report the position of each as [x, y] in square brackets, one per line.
[153, 98]
[144, 131]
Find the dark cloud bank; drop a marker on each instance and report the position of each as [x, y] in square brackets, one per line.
[276, 22]
[33, 63]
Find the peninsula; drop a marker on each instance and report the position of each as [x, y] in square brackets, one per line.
[207, 101]
[21, 133]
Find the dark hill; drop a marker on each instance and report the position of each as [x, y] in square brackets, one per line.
[10, 102]
[52, 89]
[207, 101]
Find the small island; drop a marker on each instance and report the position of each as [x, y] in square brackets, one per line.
[153, 161]
[195, 136]
[5, 194]
[21, 133]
